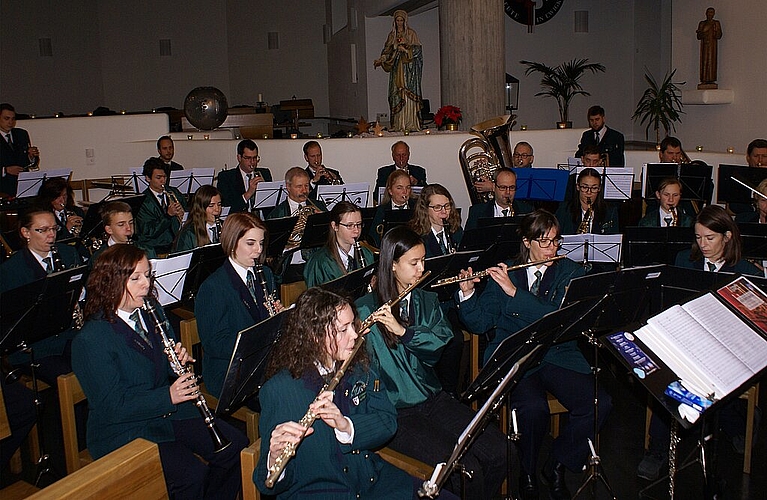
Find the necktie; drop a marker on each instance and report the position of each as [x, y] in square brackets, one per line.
[505, 212]
[350, 264]
[399, 207]
[596, 136]
[9, 140]
[48, 265]
[711, 267]
[63, 217]
[441, 240]
[139, 328]
[403, 313]
[164, 202]
[251, 282]
[213, 235]
[537, 283]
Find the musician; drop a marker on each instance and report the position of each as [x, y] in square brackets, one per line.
[166, 151]
[160, 215]
[339, 255]
[20, 411]
[119, 361]
[16, 151]
[335, 458]
[756, 153]
[503, 204]
[404, 346]
[56, 195]
[671, 150]
[117, 218]
[397, 196]
[588, 194]
[609, 141]
[668, 194]
[34, 262]
[522, 157]
[436, 219]
[232, 299]
[238, 185]
[400, 154]
[759, 214]
[717, 245]
[200, 228]
[297, 183]
[512, 301]
[319, 174]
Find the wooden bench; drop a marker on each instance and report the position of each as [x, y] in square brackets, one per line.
[132, 471]
[70, 394]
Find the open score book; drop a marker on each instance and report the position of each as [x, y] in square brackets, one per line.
[712, 349]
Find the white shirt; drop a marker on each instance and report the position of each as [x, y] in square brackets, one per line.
[345, 256]
[718, 265]
[125, 316]
[531, 274]
[242, 272]
[499, 210]
[436, 235]
[664, 215]
[159, 196]
[40, 260]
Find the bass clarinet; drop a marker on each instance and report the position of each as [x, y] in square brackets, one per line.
[309, 417]
[219, 441]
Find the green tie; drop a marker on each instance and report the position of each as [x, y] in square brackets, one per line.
[536, 283]
[441, 240]
[251, 282]
[139, 328]
[403, 313]
[711, 267]
[48, 265]
[350, 263]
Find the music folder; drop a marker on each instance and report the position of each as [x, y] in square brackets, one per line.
[655, 245]
[204, 262]
[354, 283]
[728, 189]
[247, 367]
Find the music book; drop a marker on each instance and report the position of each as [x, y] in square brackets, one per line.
[714, 343]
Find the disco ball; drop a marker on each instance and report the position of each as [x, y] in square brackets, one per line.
[206, 107]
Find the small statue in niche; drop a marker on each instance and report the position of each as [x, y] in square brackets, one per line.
[708, 32]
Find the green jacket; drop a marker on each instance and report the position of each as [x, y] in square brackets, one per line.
[323, 467]
[652, 219]
[186, 239]
[407, 370]
[322, 267]
[154, 227]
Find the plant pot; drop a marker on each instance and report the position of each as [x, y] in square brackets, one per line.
[451, 126]
[564, 125]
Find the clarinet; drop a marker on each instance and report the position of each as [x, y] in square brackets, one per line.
[56, 262]
[219, 227]
[449, 245]
[358, 255]
[269, 298]
[219, 441]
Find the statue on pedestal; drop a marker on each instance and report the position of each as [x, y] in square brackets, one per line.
[708, 32]
[402, 58]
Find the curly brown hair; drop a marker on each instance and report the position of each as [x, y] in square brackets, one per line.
[420, 222]
[303, 335]
[108, 280]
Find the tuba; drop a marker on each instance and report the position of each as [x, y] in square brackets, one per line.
[483, 155]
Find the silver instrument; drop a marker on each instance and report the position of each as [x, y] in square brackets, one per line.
[485, 273]
[220, 442]
[270, 300]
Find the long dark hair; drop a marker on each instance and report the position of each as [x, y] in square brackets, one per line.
[51, 189]
[197, 215]
[302, 341]
[339, 210]
[716, 219]
[534, 226]
[597, 204]
[108, 280]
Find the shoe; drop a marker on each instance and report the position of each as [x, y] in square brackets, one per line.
[528, 487]
[651, 465]
[554, 478]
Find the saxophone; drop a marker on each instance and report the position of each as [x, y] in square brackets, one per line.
[220, 442]
[58, 265]
[270, 301]
[587, 218]
[309, 417]
[674, 217]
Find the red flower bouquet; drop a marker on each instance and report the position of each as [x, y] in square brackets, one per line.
[447, 115]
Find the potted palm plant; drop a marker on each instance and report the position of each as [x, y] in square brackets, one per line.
[660, 105]
[562, 83]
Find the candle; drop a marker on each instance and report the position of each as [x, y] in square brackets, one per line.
[266, 136]
[206, 136]
[319, 135]
[294, 136]
[523, 127]
[189, 137]
[260, 97]
[699, 148]
[731, 150]
[427, 131]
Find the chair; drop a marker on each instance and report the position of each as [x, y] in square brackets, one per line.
[249, 459]
[132, 471]
[70, 394]
[289, 293]
[190, 338]
[752, 398]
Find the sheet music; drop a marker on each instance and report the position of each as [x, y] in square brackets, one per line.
[356, 193]
[269, 194]
[602, 247]
[170, 275]
[619, 181]
[139, 181]
[29, 182]
[189, 180]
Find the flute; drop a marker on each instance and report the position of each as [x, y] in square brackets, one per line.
[485, 273]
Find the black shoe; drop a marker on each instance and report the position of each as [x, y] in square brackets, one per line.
[528, 487]
[554, 478]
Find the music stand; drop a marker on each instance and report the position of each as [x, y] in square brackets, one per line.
[492, 230]
[29, 182]
[355, 283]
[279, 231]
[356, 193]
[541, 184]
[394, 218]
[316, 231]
[245, 373]
[695, 179]
[655, 245]
[169, 276]
[618, 182]
[268, 194]
[368, 215]
[139, 181]
[446, 266]
[754, 239]
[588, 248]
[204, 262]
[730, 191]
[189, 180]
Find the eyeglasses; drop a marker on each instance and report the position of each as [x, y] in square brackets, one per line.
[547, 242]
[251, 158]
[440, 208]
[351, 225]
[522, 155]
[43, 230]
[513, 187]
[588, 189]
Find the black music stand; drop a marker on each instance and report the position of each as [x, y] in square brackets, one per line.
[754, 239]
[695, 179]
[394, 218]
[316, 232]
[541, 184]
[205, 261]
[355, 283]
[492, 230]
[730, 191]
[279, 232]
[356, 193]
[247, 366]
[655, 245]
[368, 215]
[447, 266]
[268, 195]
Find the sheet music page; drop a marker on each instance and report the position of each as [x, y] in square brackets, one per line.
[619, 183]
[730, 330]
[170, 275]
[706, 353]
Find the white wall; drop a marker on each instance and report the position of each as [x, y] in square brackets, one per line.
[742, 56]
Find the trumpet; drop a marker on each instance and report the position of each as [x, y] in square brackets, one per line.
[486, 273]
[78, 226]
[331, 177]
[309, 417]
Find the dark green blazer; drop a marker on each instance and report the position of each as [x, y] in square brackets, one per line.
[155, 228]
[186, 239]
[283, 209]
[323, 467]
[224, 307]
[652, 219]
[433, 249]
[407, 370]
[742, 266]
[493, 309]
[487, 209]
[608, 224]
[322, 267]
[127, 385]
[22, 267]
[231, 187]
